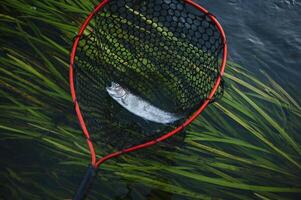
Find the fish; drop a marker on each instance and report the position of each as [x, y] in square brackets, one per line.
[139, 106]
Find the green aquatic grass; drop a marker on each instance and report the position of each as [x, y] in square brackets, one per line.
[245, 146]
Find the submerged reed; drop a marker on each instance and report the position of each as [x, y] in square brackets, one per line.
[245, 146]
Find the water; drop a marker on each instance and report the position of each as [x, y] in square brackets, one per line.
[262, 35]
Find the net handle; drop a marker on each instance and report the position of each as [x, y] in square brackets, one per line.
[95, 163]
[86, 183]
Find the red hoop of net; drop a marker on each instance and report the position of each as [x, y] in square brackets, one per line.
[168, 54]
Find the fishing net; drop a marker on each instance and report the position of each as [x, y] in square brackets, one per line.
[165, 52]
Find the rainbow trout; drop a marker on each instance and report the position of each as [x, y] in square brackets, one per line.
[140, 107]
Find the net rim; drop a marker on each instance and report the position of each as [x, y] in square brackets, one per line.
[95, 163]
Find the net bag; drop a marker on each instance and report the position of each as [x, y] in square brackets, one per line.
[142, 70]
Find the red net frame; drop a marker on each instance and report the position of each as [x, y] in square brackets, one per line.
[94, 162]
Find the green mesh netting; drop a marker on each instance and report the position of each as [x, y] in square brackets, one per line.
[163, 51]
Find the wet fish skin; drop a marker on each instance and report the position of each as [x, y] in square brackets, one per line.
[140, 107]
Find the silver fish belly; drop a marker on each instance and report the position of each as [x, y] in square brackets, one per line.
[140, 107]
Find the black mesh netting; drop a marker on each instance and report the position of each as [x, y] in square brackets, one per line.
[163, 51]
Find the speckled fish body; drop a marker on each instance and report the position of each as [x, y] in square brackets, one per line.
[140, 107]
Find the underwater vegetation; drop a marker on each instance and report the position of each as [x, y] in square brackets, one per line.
[244, 146]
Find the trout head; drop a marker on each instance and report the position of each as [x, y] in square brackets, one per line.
[116, 91]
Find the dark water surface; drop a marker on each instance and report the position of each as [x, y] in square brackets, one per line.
[263, 35]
